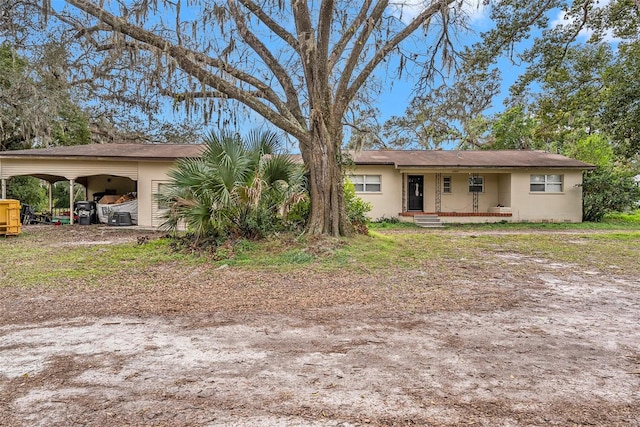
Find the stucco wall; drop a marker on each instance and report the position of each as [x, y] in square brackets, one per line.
[388, 202]
[150, 173]
[509, 188]
[540, 207]
[461, 200]
[68, 168]
[504, 191]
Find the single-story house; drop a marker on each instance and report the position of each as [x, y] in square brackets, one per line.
[471, 186]
[455, 186]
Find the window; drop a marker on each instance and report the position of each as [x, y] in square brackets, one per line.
[446, 184]
[476, 184]
[546, 183]
[367, 183]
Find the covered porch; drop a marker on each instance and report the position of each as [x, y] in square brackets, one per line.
[457, 196]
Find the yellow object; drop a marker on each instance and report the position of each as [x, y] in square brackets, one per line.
[10, 217]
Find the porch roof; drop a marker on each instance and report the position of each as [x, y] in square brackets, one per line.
[501, 159]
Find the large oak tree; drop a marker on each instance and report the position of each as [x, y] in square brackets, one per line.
[300, 64]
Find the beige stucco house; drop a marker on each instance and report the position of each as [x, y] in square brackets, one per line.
[471, 186]
[457, 186]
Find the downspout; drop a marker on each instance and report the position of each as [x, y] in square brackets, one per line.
[4, 189]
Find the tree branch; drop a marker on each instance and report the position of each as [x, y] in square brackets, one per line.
[292, 108]
[338, 48]
[270, 23]
[185, 58]
[383, 52]
[342, 95]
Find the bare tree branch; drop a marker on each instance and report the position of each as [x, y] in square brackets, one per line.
[292, 107]
[338, 48]
[273, 26]
[182, 56]
[384, 51]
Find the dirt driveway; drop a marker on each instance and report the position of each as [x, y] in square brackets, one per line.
[557, 345]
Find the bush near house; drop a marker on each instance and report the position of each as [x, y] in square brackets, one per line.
[240, 188]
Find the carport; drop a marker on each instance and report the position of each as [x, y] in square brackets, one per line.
[50, 180]
[120, 168]
[40, 171]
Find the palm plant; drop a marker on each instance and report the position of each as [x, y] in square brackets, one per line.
[241, 187]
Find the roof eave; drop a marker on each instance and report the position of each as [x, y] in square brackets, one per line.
[502, 167]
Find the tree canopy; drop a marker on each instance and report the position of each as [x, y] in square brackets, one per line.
[35, 104]
[301, 65]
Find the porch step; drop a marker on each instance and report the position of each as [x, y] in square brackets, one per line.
[427, 221]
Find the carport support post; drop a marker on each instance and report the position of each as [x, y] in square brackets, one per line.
[4, 189]
[71, 181]
[51, 198]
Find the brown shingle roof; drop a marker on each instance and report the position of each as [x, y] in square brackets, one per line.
[467, 159]
[397, 158]
[112, 151]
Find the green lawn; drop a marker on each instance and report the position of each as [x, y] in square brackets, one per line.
[612, 246]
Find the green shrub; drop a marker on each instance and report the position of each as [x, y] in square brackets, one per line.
[607, 189]
[357, 209]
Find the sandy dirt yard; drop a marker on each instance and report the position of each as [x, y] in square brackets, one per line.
[525, 342]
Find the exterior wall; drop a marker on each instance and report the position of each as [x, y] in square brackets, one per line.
[461, 200]
[68, 168]
[508, 188]
[151, 174]
[530, 206]
[504, 189]
[123, 177]
[388, 202]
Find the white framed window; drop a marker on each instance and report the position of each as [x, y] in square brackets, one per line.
[476, 184]
[546, 184]
[367, 183]
[446, 184]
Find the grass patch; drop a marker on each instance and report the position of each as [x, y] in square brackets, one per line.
[385, 225]
[627, 218]
[53, 265]
[29, 261]
[604, 225]
[610, 252]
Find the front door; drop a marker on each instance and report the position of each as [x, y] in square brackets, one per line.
[415, 191]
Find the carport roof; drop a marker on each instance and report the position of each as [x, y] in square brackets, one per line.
[398, 158]
[111, 151]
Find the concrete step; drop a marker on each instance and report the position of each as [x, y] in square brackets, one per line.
[428, 221]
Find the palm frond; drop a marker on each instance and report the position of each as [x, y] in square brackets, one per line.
[237, 186]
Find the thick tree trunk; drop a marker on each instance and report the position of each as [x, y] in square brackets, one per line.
[322, 157]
